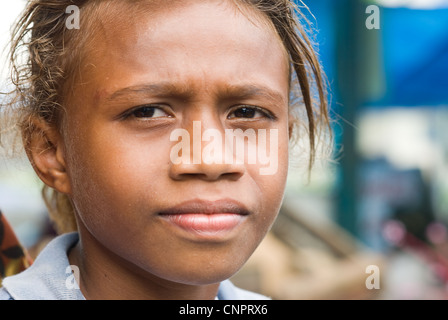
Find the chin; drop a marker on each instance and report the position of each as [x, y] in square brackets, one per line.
[210, 271]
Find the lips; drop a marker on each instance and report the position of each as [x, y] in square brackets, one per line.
[206, 218]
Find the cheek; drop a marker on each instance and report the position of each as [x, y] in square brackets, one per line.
[272, 157]
[270, 176]
[110, 174]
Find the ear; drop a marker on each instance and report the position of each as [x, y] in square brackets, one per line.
[44, 148]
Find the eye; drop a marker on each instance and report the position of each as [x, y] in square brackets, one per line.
[249, 112]
[148, 111]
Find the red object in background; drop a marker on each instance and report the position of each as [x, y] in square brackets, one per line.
[13, 257]
[436, 256]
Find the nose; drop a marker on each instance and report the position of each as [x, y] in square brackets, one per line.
[201, 153]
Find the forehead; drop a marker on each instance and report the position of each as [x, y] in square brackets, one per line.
[118, 20]
[175, 38]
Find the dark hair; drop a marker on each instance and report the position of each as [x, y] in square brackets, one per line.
[52, 53]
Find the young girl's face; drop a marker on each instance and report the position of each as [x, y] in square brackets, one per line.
[198, 65]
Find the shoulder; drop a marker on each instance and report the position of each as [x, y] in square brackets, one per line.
[4, 294]
[228, 291]
[46, 277]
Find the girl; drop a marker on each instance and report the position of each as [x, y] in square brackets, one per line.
[145, 213]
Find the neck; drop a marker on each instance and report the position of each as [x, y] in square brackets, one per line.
[106, 276]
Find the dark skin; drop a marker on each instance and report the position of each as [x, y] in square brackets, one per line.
[201, 62]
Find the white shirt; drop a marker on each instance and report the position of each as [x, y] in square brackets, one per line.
[46, 278]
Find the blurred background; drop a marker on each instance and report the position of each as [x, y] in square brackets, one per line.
[371, 223]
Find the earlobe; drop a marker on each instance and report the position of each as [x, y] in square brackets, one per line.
[44, 148]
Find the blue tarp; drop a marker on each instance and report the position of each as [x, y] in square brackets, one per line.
[415, 53]
[413, 49]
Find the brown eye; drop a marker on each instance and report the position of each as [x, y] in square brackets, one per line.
[248, 112]
[149, 112]
[245, 113]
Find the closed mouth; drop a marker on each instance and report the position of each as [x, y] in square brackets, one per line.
[206, 218]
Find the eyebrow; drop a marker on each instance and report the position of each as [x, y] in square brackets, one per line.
[254, 90]
[165, 89]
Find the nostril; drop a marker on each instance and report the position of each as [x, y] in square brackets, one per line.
[206, 172]
[232, 176]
